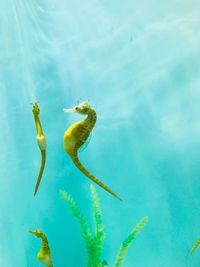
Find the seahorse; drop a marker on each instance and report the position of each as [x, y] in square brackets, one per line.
[41, 143]
[44, 254]
[77, 134]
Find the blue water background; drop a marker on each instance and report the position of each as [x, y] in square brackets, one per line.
[138, 63]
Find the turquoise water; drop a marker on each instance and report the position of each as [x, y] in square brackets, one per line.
[138, 63]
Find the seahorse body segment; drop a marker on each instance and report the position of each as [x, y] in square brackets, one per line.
[77, 134]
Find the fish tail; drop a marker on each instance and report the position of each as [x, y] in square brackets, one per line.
[43, 154]
[92, 177]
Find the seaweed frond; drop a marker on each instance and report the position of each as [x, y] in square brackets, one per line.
[103, 263]
[196, 245]
[99, 234]
[80, 217]
[127, 242]
[94, 241]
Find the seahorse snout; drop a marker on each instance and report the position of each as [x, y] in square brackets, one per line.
[69, 110]
[35, 232]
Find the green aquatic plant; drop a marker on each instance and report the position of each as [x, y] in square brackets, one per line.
[86, 233]
[196, 245]
[127, 242]
[94, 240]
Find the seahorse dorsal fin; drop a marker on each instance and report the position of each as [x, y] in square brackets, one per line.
[83, 147]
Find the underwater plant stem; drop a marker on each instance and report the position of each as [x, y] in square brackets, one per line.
[127, 242]
[196, 245]
[94, 242]
[99, 234]
[80, 217]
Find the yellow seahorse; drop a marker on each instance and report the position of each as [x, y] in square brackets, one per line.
[77, 134]
[44, 254]
[41, 143]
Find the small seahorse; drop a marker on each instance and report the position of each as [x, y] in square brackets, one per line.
[41, 143]
[77, 134]
[44, 254]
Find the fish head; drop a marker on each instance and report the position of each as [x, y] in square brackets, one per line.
[37, 233]
[81, 108]
[36, 109]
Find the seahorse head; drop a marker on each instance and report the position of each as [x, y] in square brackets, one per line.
[83, 108]
[35, 109]
[37, 233]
